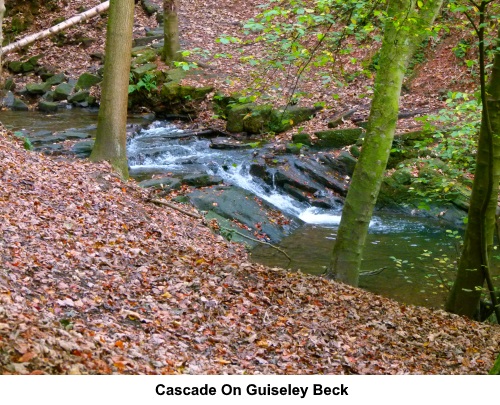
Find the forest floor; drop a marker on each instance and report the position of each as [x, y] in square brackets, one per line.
[95, 279]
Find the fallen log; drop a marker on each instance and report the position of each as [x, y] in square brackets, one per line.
[55, 29]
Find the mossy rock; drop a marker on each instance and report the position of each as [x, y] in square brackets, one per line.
[143, 57]
[222, 103]
[283, 119]
[56, 79]
[338, 138]
[19, 105]
[48, 106]
[87, 80]
[37, 89]
[176, 75]
[150, 7]
[63, 91]
[15, 66]
[79, 97]
[140, 71]
[27, 67]
[302, 138]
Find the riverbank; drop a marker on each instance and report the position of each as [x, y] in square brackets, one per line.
[97, 280]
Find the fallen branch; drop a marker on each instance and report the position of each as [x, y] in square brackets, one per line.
[372, 272]
[55, 29]
[257, 240]
[168, 204]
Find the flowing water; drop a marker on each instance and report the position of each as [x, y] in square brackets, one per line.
[415, 253]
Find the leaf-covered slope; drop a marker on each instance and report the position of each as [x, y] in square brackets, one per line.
[96, 280]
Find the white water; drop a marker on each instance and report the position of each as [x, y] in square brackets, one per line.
[152, 151]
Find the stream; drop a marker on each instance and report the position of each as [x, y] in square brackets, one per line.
[399, 244]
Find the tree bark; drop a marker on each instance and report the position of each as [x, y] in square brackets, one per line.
[478, 240]
[405, 28]
[111, 138]
[172, 46]
[2, 13]
[56, 28]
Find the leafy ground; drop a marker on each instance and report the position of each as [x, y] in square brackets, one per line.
[94, 279]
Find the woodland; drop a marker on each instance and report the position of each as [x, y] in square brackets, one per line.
[99, 275]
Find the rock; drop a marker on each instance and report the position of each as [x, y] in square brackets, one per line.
[244, 207]
[323, 175]
[9, 100]
[79, 97]
[338, 138]
[289, 174]
[167, 183]
[27, 67]
[19, 105]
[144, 56]
[150, 7]
[49, 96]
[63, 91]
[37, 89]
[201, 180]
[140, 71]
[15, 66]
[56, 79]
[87, 80]
[48, 106]
[83, 149]
[9, 85]
[285, 118]
[302, 138]
[147, 40]
[228, 143]
[343, 164]
[293, 148]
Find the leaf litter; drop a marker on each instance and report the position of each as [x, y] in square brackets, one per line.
[95, 280]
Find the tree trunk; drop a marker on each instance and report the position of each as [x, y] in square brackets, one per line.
[171, 31]
[111, 138]
[2, 12]
[473, 266]
[56, 28]
[405, 27]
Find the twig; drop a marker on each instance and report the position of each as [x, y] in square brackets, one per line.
[257, 240]
[168, 204]
[372, 272]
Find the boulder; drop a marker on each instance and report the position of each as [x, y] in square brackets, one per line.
[48, 106]
[56, 79]
[244, 207]
[338, 138]
[63, 91]
[87, 80]
[37, 89]
[19, 105]
[282, 119]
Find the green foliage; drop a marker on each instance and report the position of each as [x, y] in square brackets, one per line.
[26, 141]
[455, 130]
[146, 82]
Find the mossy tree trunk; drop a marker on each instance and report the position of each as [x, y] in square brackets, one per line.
[171, 49]
[111, 139]
[406, 26]
[2, 13]
[473, 266]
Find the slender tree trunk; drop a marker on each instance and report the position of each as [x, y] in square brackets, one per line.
[111, 139]
[2, 13]
[171, 31]
[56, 28]
[405, 27]
[473, 266]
